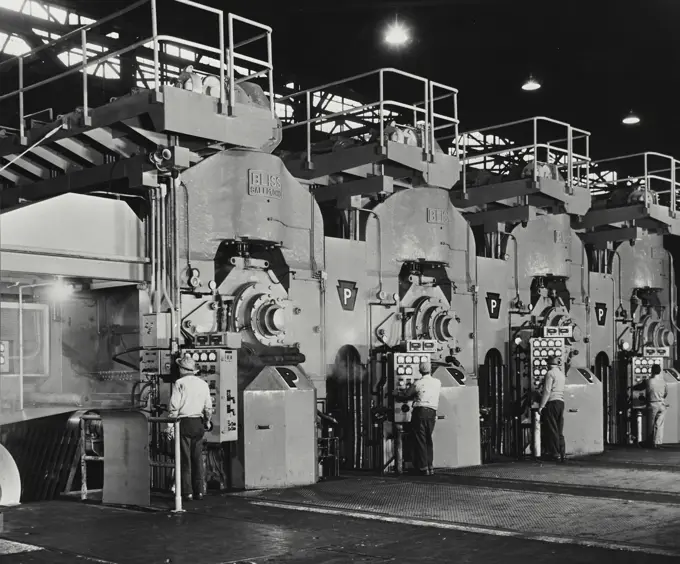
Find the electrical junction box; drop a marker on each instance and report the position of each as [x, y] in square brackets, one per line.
[155, 331]
[155, 362]
[540, 349]
[405, 371]
[219, 368]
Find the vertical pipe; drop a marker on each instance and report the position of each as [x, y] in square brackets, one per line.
[431, 120]
[588, 162]
[83, 44]
[455, 115]
[535, 153]
[157, 272]
[398, 454]
[464, 166]
[154, 32]
[152, 243]
[21, 349]
[178, 270]
[178, 470]
[639, 426]
[223, 96]
[426, 133]
[83, 462]
[22, 129]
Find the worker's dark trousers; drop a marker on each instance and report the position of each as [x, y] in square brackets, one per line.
[422, 423]
[552, 429]
[191, 444]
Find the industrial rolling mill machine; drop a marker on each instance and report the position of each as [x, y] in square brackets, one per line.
[309, 285]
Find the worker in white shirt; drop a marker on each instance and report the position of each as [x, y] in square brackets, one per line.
[191, 403]
[425, 393]
[551, 409]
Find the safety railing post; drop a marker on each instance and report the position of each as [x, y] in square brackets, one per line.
[646, 181]
[178, 469]
[230, 33]
[464, 165]
[570, 159]
[83, 462]
[308, 99]
[154, 32]
[270, 73]
[430, 121]
[537, 433]
[426, 133]
[223, 94]
[22, 129]
[381, 97]
[673, 166]
[588, 162]
[83, 43]
[535, 150]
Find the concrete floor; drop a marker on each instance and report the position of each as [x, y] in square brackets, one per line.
[364, 519]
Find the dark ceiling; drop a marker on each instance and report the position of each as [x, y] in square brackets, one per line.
[597, 60]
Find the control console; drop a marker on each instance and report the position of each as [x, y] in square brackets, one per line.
[540, 349]
[219, 368]
[405, 373]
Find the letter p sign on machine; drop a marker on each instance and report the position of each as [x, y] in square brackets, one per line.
[348, 294]
[493, 304]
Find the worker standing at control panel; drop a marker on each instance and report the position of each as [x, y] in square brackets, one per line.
[551, 409]
[191, 403]
[425, 393]
[657, 391]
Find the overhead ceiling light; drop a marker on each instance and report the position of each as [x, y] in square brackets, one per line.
[631, 119]
[397, 35]
[531, 84]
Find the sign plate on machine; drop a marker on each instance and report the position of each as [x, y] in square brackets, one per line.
[347, 291]
[563, 332]
[540, 349]
[219, 368]
[262, 183]
[656, 351]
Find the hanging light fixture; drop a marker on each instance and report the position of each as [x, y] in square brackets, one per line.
[631, 119]
[531, 84]
[397, 34]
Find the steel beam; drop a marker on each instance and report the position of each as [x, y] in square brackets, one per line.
[29, 167]
[80, 150]
[117, 145]
[491, 193]
[600, 238]
[364, 186]
[506, 215]
[54, 159]
[611, 216]
[79, 181]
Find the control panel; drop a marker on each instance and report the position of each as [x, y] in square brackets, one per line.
[405, 370]
[219, 368]
[155, 362]
[540, 349]
[642, 367]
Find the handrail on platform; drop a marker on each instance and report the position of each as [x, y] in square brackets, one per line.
[227, 56]
[646, 175]
[574, 160]
[424, 108]
[176, 464]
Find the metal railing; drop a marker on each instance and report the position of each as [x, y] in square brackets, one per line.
[424, 109]
[560, 150]
[641, 170]
[227, 57]
[175, 465]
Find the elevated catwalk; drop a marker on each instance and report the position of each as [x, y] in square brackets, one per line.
[597, 509]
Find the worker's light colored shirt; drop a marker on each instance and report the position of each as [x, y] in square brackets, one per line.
[553, 387]
[190, 398]
[427, 392]
[657, 390]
